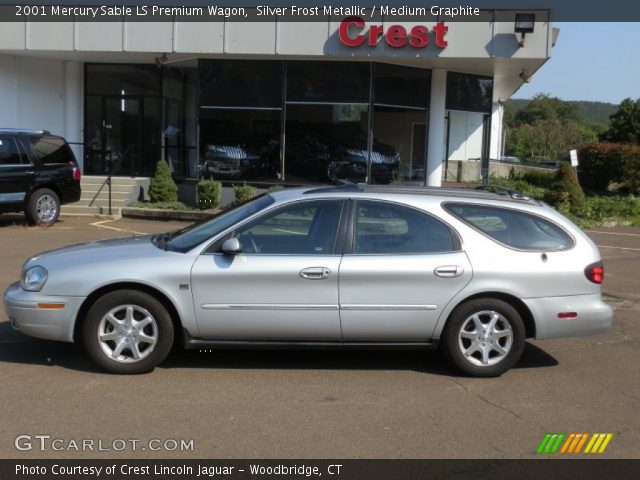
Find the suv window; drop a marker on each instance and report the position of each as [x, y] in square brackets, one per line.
[515, 228]
[393, 229]
[300, 229]
[9, 153]
[50, 150]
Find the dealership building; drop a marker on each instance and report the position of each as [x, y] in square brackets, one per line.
[277, 100]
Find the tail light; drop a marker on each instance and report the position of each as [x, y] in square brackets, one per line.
[595, 272]
[77, 175]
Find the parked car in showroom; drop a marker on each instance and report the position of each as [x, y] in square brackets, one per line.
[232, 151]
[358, 266]
[38, 173]
[337, 153]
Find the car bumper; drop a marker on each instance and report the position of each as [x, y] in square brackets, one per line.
[41, 316]
[593, 316]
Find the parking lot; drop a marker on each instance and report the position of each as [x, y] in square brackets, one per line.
[236, 404]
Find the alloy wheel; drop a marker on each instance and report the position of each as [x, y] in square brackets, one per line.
[485, 338]
[127, 333]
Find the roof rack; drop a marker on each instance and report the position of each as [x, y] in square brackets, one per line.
[500, 190]
[479, 193]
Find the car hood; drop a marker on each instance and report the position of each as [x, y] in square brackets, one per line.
[101, 250]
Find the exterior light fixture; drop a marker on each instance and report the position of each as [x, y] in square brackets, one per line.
[525, 76]
[525, 23]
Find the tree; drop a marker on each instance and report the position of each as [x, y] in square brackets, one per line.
[162, 187]
[549, 138]
[545, 107]
[566, 193]
[625, 123]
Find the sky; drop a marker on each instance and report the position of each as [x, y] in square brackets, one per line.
[591, 61]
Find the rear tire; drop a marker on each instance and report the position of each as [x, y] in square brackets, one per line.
[484, 337]
[128, 332]
[43, 207]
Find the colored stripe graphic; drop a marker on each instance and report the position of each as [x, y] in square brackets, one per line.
[598, 443]
[573, 443]
[550, 443]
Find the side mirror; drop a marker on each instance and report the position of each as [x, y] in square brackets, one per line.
[231, 246]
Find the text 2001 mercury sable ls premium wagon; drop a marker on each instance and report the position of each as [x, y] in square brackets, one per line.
[351, 267]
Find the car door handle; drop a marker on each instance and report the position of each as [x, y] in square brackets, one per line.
[450, 271]
[315, 273]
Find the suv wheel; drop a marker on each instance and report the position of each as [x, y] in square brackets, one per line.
[484, 337]
[43, 207]
[128, 332]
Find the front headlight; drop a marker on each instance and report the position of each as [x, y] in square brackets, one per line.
[33, 279]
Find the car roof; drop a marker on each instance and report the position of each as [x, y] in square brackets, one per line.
[480, 193]
[23, 131]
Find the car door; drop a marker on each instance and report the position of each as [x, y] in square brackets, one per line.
[16, 173]
[401, 268]
[284, 283]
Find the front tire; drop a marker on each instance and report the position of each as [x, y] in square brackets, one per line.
[484, 337]
[43, 207]
[128, 332]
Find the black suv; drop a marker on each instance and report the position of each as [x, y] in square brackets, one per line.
[38, 173]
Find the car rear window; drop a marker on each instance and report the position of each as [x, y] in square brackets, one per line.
[50, 150]
[514, 228]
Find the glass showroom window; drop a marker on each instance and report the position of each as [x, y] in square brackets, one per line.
[240, 119]
[468, 103]
[180, 117]
[122, 118]
[401, 99]
[327, 115]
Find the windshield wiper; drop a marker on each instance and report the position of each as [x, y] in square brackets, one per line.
[161, 240]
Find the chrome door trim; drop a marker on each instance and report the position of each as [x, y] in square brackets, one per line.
[267, 306]
[388, 307]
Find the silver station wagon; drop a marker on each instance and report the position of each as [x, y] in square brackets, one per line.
[357, 266]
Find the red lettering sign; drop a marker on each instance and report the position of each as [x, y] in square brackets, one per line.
[352, 33]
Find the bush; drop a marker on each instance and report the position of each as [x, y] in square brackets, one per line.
[162, 187]
[209, 194]
[515, 182]
[566, 193]
[163, 206]
[605, 164]
[276, 188]
[539, 178]
[244, 193]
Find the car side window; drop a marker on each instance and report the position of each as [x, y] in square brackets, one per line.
[511, 227]
[384, 228]
[9, 153]
[307, 228]
[50, 150]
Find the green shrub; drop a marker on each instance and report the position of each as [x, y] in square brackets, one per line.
[516, 183]
[616, 209]
[276, 188]
[209, 194]
[538, 178]
[162, 206]
[162, 187]
[605, 164]
[566, 193]
[244, 193]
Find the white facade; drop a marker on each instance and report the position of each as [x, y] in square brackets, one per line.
[42, 66]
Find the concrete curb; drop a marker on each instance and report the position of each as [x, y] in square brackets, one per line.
[158, 214]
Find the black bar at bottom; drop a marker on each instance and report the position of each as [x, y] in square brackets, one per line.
[544, 468]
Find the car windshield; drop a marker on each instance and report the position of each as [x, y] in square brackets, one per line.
[193, 235]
